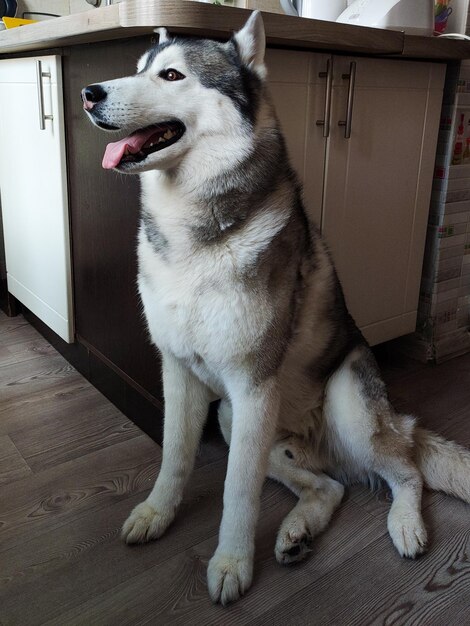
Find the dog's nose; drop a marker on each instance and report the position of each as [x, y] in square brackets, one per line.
[91, 95]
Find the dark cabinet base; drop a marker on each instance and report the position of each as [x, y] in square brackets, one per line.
[104, 215]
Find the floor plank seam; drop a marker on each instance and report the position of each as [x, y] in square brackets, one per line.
[20, 454]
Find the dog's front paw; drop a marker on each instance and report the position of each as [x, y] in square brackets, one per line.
[228, 577]
[145, 524]
[408, 533]
[294, 540]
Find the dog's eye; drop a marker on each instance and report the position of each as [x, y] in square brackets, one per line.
[171, 74]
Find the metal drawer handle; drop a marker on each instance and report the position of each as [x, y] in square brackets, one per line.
[325, 122]
[39, 76]
[349, 111]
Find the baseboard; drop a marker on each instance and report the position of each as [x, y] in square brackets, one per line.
[8, 303]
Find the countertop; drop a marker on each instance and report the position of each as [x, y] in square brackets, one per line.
[139, 17]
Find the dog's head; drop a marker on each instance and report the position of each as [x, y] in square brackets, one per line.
[185, 92]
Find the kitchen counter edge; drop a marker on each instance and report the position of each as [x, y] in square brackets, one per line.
[133, 18]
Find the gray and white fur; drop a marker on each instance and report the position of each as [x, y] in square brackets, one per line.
[242, 299]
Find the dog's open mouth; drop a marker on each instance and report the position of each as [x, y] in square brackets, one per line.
[141, 143]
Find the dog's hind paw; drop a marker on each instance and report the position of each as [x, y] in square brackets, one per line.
[228, 577]
[408, 534]
[294, 540]
[144, 524]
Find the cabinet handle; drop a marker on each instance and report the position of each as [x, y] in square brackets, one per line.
[349, 111]
[39, 76]
[327, 111]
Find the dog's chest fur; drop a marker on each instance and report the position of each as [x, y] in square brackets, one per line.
[198, 301]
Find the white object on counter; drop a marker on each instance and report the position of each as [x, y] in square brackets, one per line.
[413, 16]
[458, 20]
[316, 9]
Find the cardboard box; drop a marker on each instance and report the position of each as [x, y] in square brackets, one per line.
[270, 6]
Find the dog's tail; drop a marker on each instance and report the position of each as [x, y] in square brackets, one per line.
[445, 465]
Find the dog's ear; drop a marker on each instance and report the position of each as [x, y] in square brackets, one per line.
[163, 35]
[251, 42]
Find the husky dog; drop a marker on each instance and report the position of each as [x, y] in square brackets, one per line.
[242, 299]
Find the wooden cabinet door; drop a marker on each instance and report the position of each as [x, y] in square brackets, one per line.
[33, 187]
[297, 82]
[377, 187]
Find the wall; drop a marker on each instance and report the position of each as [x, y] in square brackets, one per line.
[59, 7]
[443, 329]
[65, 7]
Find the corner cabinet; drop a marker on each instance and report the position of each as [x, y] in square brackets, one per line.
[362, 134]
[33, 189]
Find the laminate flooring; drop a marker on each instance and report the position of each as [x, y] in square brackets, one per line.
[72, 467]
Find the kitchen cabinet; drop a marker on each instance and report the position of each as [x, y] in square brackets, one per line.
[33, 188]
[297, 86]
[369, 191]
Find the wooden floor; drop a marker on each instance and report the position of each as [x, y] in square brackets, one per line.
[72, 467]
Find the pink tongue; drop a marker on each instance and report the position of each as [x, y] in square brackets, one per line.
[115, 151]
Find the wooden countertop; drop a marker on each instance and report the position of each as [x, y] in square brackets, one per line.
[139, 17]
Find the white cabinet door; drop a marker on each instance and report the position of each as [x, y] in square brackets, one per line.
[377, 188]
[33, 188]
[297, 82]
